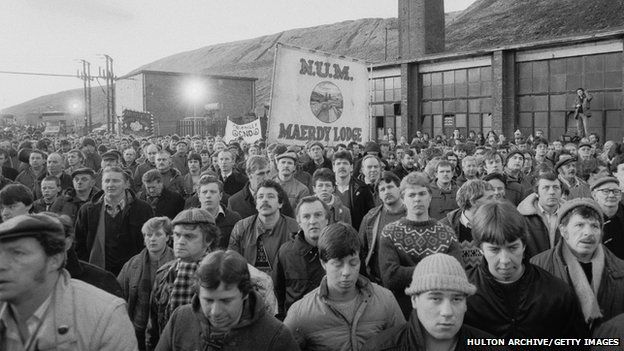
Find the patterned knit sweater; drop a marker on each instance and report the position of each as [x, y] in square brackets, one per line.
[405, 242]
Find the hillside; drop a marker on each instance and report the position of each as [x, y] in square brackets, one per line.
[485, 24]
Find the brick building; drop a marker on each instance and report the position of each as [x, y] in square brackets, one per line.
[166, 96]
[502, 81]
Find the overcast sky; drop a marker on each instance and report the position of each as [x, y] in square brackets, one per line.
[49, 36]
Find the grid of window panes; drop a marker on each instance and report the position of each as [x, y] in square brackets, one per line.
[463, 96]
[546, 91]
[386, 92]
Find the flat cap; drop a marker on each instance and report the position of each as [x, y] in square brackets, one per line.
[287, 154]
[564, 162]
[570, 205]
[182, 141]
[83, 170]
[193, 216]
[30, 225]
[110, 155]
[603, 180]
[583, 144]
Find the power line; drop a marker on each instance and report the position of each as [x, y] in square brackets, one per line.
[39, 74]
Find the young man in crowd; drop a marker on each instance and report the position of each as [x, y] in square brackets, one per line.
[83, 191]
[226, 311]
[407, 241]
[390, 210]
[259, 237]
[324, 187]
[36, 168]
[510, 301]
[346, 309]
[74, 160]
[50, 187]
[438, 294]
[354, 194]
[210, 193]
[233, 180]
[108, 228]
[164, 202]
[299, 269]
[15, 200]
[470, 196]
[443, 191]
[37, 291]
[594, 273]
[406, 164]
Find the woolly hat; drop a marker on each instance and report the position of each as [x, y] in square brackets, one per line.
[439, 272]
[570, 205]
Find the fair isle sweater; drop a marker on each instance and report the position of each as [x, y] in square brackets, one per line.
[405, 242]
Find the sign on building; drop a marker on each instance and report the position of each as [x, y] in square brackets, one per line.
[316, 96]
[137, 123]
[250, 132]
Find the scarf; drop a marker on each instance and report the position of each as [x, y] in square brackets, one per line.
[183, 285]
[586, 293]
[97, 256]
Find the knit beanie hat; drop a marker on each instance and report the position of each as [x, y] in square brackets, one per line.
[439, 272]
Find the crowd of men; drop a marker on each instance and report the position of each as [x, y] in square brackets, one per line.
[185, 243]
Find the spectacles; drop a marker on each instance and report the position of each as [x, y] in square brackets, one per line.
[605, 192]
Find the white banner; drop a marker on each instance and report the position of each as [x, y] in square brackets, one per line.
[316, 96]
[250, 131]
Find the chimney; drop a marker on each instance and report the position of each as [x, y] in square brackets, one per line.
[421, 27]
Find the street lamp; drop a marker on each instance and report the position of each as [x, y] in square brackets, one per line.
[194, 92]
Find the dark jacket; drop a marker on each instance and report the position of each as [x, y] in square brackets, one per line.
[537, 238]
[66, 183]
[133, 216]
[611, 285]
[244, 241]
[244, 203]
[168, 204]
[188, 329]
[442, 201]
[136, 282]
[91, 274]
[226, 221]
[140, 171]
[361, 199]
[310, 166]
[68, 204]
[401, 172]
[179, 162]
[9, 172]
[298, 271]
[409, 337]
[234, 183]
[544, 306]
[613, 235]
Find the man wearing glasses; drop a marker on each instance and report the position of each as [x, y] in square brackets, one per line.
[606, 191]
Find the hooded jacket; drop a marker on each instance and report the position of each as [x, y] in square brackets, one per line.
[537, 238]
[189, 329]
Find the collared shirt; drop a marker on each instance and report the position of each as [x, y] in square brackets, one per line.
[551, 219]
[11, 337]
[114, 209]
[226, 175]
[464, 220]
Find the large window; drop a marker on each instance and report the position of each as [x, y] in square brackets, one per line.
[386, 94]
[458, 99]
[546, 91]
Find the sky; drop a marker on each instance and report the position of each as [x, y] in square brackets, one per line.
[51, 36]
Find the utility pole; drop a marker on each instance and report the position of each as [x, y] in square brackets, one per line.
[85, 75]
[108, 74]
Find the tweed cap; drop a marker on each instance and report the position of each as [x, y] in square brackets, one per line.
[110, 155]
[570, 205]
[287, 154]
[564, 162]
[30, 225]
[193, 216]
[603, 180]
[83, 170]
[439, 272]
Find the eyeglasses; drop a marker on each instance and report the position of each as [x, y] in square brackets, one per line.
[605, 192]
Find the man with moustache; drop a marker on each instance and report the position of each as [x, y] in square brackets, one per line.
[286, 167]
[594, 273]
[354, 194]
[566, 169]
[299, 269]
[390, 210]
[259, 237]
[607, 193]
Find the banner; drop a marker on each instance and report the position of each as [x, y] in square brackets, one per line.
[250, 131]
[137, 123]
[317, 96]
